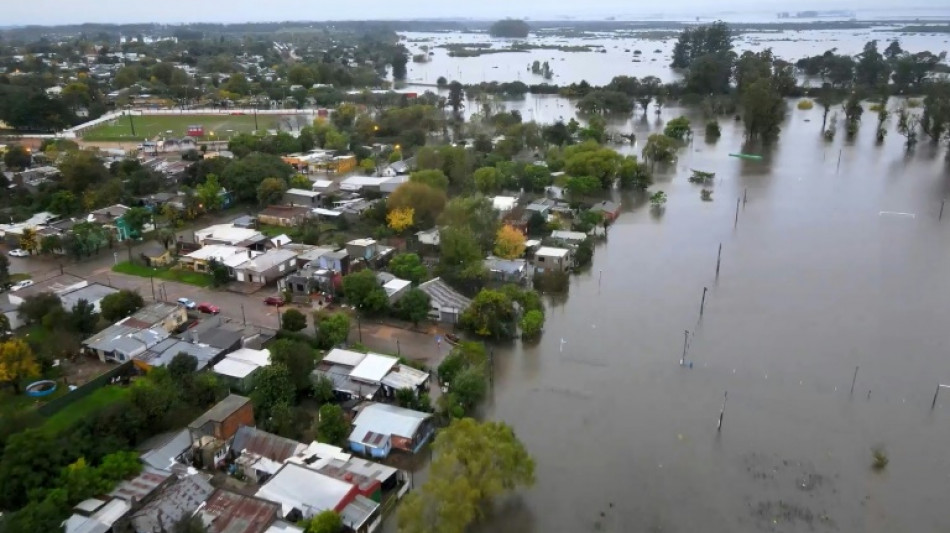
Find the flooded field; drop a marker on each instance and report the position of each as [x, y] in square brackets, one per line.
[829, 268]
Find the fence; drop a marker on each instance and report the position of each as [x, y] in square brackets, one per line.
[54, 406]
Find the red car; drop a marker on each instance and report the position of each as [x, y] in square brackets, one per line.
[205, 307]
[276, 301]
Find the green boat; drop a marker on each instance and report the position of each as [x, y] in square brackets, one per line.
[751, 157]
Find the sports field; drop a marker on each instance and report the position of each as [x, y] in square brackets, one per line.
[149, 127]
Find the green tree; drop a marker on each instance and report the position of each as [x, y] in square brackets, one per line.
[414, 306]
[332, 427]
[322, 389]
[51, 244]
[433, 178]
[209, 193]
[872, 70]
[273, 385]
[271, 191]
[426, 202]
[81, 171]
[325, 522]
[580, 186]
[363, 290]
[293, 320]
[83, 317]
[220, 274]
[633, 175]
[332, 329]
[119, 305]
[35, 307]
[135, 220]
[460, 259]
[181, 366]
[491, 314]
[475, 213]
[408, 266]
[63, 203]
[17, 157]
[531, 324]
[677, 128]
[511, 28]
[474, 463]
[4, 272]
[238, 84]
[298, 357]
[487, 180]
[763, 109]
[456, 98]
[659, 149]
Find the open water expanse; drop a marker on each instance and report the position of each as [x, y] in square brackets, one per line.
[838, 261]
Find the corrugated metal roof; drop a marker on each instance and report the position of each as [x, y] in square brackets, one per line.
[179, 499]
[164, 455]
[373, 368]
[140, 486]
[264, 444]
[310, 492]
[229, 512]
[340, 356]
[405, 377]
[358, 512]
[221, 411]
[387, 420]
[444, 296]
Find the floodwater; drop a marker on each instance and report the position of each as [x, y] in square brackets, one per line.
[830, 267]
[599, 68]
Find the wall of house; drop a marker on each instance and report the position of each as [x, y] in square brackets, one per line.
[175, 319]
[378, 453]
[229, 426]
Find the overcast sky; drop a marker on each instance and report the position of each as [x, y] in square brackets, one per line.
[52, 12]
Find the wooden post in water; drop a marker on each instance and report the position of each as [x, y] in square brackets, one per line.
[722, 412]
[854, 379]
[838, 167]
[737, 212]
[702, 304]
[934, 403]
[745, 195]
[685, 343]
[718, 260]
[941, 209]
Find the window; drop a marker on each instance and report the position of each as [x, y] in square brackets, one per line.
[540, 259]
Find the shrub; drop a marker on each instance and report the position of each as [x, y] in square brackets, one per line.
[805, 104]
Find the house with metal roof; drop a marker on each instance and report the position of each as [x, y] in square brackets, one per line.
[259, 454]
[224, 234]
[142, 486]
[447, 304]
[211, 431]
[161, 354]
[96, 516]
[230, 512]
[239, 368]
[134, 335]
[567, 238]
[549, 259]
[179, 499]
[380, 427]
[369, 375]
[167, 451]
[267, 268]
[507, 270]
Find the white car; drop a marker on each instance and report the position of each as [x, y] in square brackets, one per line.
[19, 253]
[186, 303]
[21, 285]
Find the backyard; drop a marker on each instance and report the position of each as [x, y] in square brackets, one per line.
[81, 409]
[168, 274]
[216, 127]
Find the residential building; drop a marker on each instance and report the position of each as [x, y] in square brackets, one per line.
[143, 486]
[567, 238]
[167, 450]
[609, 210]
[97, 516]
[369, 375]
[259, 454]
[230, 512]
[369, 250]
[542, 207]
[211, 431]
[229, 234]
[325, 186]
[379, 428]
[156, 256]
[57, 285]
[548, 259]
[504, 204]
[111, 218]
[173, 502]
[303, 493]
[239, 368]
[395, 288]
[161, 354]
[229, 256]
[430, 238]
[400, 168]
[507, 270]
[267, 268]
[134, 335]
[92, 293]
[338, 261]
[284, 215]
[302, 197]
[447, 304]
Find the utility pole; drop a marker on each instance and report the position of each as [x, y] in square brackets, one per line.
[941, 209]
[398, 350]
[718, 259]
[737, 212]
[722, 412]
[685, 345]
[152, 279]
[243, 316]
[131, 122]
[854, 379]
[702, 304]
[359, 327]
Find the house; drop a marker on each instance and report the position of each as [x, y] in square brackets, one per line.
[338, 261]
[568, 238]
[12, 312]
[259, 454]
[156, 256]
[267, 268]
[173, 502]
[230, 512]
[325, 186]
[400, 168]
[93, 293]
[302, 197]
[239, 368]
[212, 430]
[363, 183]
[609, 210]
[548, 259]
[389, 186]
[365, 375]
[226, 334]
[368, 250]
[447, 305]
[227, 255]
[284, 215]
[111, 218]
[167, 451]
[395, 288]
[229, 234]
[504, 204]
[542, 207]
[162, 353]
[143, 486]
[57, 285]
[135, 334]
[303, 493]
[507, 270]
[97, 516]
[429, 238]
[379, 428]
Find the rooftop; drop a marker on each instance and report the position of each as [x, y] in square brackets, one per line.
[298, 487]
[340, 356]
[162, 353]
[230, 512]
[226, 233]
[268, 260]
[548, 251]
[139, 487]
[181, 498]
[443, 295]
[508, 266]
[164, 454]
[405, 377]
[568, 235]
[261, 443]
[373, 368]
[221, 411]
[504, 203]
[284, 211]
[387, 420]
[221, 252]
[395, 285]
[303, 192]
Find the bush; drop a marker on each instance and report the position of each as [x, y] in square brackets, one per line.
[712, 130]
[678, 128]
[531, 324]
[293, 320]
[805, 104]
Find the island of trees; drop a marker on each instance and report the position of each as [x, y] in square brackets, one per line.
[513, 28]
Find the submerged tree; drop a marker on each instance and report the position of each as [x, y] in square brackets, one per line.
[907, 124]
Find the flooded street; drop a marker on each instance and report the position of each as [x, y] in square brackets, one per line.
[825, 271]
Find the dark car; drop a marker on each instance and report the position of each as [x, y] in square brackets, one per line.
[211, 309]
[276, 301]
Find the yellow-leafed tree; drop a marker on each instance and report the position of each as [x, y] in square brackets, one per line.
[509, 243]
[17, 362]
[401, 219]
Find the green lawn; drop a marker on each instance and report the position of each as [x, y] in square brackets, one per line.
[167, 274]
[80, 409]
[149, 126]
[19, 276]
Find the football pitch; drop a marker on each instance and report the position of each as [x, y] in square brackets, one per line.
[150, 127]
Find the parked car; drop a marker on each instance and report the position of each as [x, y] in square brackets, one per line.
[211, 309]
[19, 253]
[186, 303]
[21, 285]
[276, 301]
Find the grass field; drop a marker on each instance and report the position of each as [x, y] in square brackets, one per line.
[167, 274]
[152, 126]
[80, 409]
